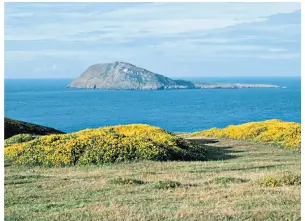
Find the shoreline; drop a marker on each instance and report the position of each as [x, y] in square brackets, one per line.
[198, 86]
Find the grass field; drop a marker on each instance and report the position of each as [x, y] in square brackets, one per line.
[224, 188]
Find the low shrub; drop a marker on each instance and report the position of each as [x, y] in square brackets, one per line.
[287, 180]
[20, 138]
[167, 184]
[126, 181]
[104, 145]
[226, 180]
[291, 180]
[274, 132]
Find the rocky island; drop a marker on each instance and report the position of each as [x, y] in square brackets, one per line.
[125, 76]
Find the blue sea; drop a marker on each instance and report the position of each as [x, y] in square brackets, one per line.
[49, 102]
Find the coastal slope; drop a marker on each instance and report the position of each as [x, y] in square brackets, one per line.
[14, 127]
[125, 76]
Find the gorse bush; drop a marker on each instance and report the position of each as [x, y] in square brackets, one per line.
[126, 181]
[227, 180]
[166, 184]
[104, 145]
[20, 138]
[287, 180]
[275, 132]
[291, 180]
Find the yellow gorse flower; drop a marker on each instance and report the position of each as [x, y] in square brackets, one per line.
[276, 132]
[108, 144]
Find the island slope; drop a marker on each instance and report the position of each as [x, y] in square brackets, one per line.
[125, 76]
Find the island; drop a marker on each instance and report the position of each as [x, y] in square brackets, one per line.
[125, 76]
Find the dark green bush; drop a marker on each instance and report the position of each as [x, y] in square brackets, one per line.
[126, 181]
[226, 180]
[167, 184]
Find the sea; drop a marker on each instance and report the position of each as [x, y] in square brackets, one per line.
[50, 103]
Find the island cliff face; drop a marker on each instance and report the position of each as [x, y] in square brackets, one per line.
[125, 76]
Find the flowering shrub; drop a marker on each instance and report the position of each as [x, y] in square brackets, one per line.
[277, 132]
[104, 145]
[288, 180]
[19, 139]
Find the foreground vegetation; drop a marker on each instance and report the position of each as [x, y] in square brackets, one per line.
[140, 172]
[274, 132]
[228, 186]
[104, 145]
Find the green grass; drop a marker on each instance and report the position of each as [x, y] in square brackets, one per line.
[226, 187]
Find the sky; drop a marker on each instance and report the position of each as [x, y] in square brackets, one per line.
[61, 40]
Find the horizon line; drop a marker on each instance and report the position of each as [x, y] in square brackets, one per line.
[232, 76]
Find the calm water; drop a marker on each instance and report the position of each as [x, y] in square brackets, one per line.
[50, 103]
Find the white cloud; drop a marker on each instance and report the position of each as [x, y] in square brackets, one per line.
[277, 49]
[156, 19]
[237, 11]
[281, 56]
[171, 32]
[17, 55]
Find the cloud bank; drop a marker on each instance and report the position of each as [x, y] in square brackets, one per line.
[175, 39]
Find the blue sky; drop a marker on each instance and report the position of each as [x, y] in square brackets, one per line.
[60, 40]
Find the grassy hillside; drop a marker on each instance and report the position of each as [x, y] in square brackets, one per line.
[274, 132]
[140, 172]
[228, 186]
[14, 127]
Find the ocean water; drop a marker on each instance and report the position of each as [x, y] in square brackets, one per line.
[48, 102]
